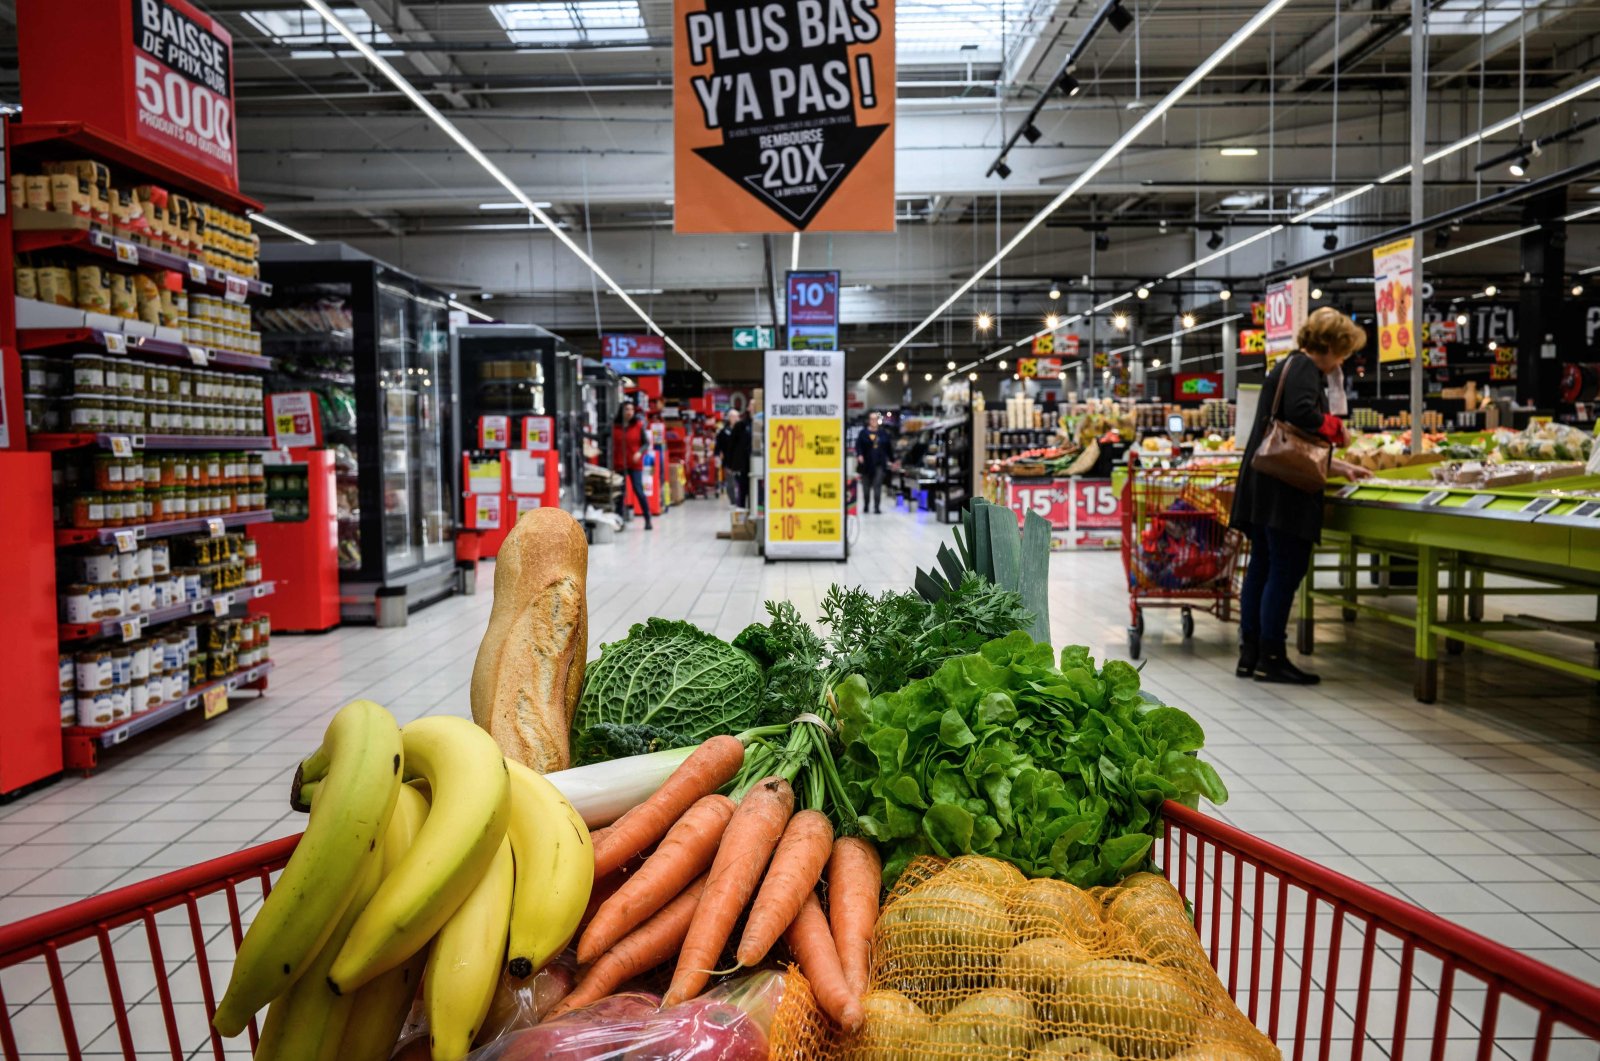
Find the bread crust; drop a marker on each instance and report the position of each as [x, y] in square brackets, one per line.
[529, 671]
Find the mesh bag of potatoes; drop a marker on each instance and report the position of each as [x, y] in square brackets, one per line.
[972, 961]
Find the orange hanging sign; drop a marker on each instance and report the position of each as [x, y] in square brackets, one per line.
[783, 116]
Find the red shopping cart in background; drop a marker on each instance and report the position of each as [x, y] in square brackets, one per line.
[1328, 967]
[1177, 548]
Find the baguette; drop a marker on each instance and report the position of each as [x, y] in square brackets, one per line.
[529, 671]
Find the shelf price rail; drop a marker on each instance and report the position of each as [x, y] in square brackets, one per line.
[1224, 872]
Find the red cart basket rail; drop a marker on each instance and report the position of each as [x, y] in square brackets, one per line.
[1177, 548]
[1328, 967]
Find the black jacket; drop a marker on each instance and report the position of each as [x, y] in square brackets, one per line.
[1262, 501]
[875, 450]
[736, 458]
[724, 436]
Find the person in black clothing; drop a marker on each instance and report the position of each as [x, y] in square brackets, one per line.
[719, 448]
[736, 459]
[874, 458]
[1284, 523]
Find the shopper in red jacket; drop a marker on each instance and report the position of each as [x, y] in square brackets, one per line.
[633, 441]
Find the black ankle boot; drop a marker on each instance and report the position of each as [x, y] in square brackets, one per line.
[1274, 666]
[1249, 654]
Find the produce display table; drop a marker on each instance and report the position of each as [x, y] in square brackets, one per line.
[1453, 538]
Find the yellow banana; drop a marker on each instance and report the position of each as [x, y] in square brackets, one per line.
[464, 962]
[467, 777]
[555, 871]
[306, 1022]
[359, 766]
[378, 1011]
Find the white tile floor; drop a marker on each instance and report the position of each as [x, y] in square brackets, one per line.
[1484, 807]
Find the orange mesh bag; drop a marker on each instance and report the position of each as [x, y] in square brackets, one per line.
[971, 962]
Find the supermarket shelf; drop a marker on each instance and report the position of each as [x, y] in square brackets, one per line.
[108, 535]
[130, 252]
[84, 137]
[35, 339]
[113, 627]
[117, 732]
[81, 439]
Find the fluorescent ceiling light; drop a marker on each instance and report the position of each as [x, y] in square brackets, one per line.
[1591, 269]
[307, 36]
[572, 22]
[464, 308]
[1589, 212]
[1481, 243]
[509, 226]
[263, 219]
[1147, 119]
[1239, 152]
[421, 103]
[794, 253]
[510, 206]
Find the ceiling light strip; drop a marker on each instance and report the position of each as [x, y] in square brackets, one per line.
[1229, 249]
[1149, 118]
[494, 171]
[464, 308]
[794, 254]
[1197, 328]
[263, 219]
[1481, 243]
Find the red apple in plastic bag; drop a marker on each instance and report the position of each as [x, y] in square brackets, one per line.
[702, 1030]
[604, 1030]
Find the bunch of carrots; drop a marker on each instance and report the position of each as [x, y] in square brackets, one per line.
[712, 858]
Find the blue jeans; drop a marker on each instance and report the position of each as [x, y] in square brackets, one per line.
[1278, 563]
[636, 477]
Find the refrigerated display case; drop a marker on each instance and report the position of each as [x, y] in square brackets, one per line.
[373, 344]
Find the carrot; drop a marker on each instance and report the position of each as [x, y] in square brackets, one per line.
[688, 849]
[855, 875]
[746, 847]
[813, 948]
[796, 868]
[638, 952]
[707, 769]
[601, 891]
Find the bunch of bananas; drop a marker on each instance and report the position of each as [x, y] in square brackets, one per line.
[428, 855]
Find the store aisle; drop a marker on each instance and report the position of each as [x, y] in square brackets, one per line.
[1487, 814]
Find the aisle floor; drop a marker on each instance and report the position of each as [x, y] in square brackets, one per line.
[1483, 808]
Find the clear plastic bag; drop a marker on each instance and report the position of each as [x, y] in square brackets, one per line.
[728, 1023]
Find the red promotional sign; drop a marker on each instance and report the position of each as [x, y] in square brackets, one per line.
[1081, 504]
[1252, 342]
[1068, 346]
[633, 346]
[154, 74]
[1196, 386]
[813, 299]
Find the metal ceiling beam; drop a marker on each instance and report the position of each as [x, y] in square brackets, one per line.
[395, 19]
[1506, 37]
[1363, 25]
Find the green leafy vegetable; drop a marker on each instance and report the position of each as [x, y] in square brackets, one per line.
[667, 684]
[992, 548]
[1055, 766]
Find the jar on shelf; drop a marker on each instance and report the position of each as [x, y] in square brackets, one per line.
[97, 564]
[127, 565]
[38, 410]
[95, 708]
[35, 373]
[140, 668]
[67, 674]
[78, 603]
[89, 373]
[92, 670]
[139, 696]
[147, 593]
[160, 557]
[107, 472]
[121, 702]
[88, 510]
[86, 412]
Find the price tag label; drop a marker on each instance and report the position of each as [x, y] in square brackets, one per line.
[132, 628]
[235, 289]
[214, 701]
[127, 253]
[259, 591]
[197, 272]
[196, 607]
[221, 603]
[121, 446]
[125, 540]
[116, 342]
[199, 355]
[214, 526]
[1433, 497]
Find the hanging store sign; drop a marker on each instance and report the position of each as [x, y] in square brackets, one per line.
[636, 366]
[757, 337]
[783, 115]
[805, 453]
[1196, 386]
[1252, 342]
[1393, 290]
[813, 311]
[155, 74]
[1286, 311]
[1258, 313]
[294, 419]
[1039, 367]
[624, 346]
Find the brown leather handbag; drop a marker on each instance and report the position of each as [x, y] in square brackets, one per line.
[1290, 455]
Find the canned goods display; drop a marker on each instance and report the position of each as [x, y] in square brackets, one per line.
[97, 392]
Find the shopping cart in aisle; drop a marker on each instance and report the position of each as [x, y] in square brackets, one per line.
[1177, 548]
[136, 972]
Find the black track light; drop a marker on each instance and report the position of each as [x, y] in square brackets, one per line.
[1002, 170]
[1519, 165]
[1119, 18]
[1441, 239]
[1330, 242]
[1031, 133]
[1069, 85]
[1214, 241]
[1102, 241]
[1055, 290]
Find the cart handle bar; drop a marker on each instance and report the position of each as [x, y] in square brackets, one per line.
[1535, 982]
[28, 938]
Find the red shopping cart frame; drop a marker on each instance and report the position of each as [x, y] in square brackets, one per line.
[1238, 886]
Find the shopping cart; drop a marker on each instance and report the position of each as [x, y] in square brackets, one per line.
[103, 976]
[1177, 548]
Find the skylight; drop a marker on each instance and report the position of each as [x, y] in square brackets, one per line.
[307, 36]
[572, 21]
[931, 31]
[1472, 17]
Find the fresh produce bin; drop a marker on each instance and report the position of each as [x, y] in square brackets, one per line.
[1308, 954]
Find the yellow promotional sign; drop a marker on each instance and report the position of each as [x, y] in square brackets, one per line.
[809, 443]
[1393, 292]
[804, 490]
[815, 527]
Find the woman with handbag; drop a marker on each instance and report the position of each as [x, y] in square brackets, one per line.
[1279, 501]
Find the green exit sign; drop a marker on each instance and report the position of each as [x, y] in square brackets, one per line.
[752, 338]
